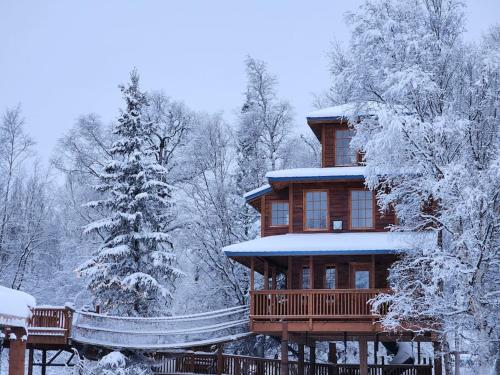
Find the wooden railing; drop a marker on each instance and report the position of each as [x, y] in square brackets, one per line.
[314, 303]
[206, 363]
[50, 321]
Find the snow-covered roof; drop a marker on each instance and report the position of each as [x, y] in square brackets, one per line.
[330, 244]
[345, 111]
[15, 307]
[303, 174]
[252, 194]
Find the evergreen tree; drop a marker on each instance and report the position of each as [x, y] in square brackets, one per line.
[132, 273]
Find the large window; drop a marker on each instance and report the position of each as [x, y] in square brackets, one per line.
[361, 209]
[330, 277]
[362, 279]
[316, 210]
[344, 155]
[279, 213]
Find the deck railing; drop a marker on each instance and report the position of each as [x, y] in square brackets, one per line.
[50, 321]
[315, 303]
[206, 363]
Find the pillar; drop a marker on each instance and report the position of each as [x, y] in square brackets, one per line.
[284, 350]
[438, 363]
[363, 356]
[17, 348]
[30, 362]
[312, 359]
[301, 360]
[332, 357]
[220, 359]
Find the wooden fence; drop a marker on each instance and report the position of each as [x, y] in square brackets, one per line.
[314, 303]
[206, 363]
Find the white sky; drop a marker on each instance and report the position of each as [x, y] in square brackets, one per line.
[60, 59]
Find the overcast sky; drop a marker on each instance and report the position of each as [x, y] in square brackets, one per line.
[60, 59]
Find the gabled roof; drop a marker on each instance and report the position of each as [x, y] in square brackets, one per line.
[364, 243]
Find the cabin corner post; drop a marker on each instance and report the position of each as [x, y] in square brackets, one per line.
[438, 363]
[17, 351]
[312, 358]
[284, 350]
[300, 364]
[363, 355]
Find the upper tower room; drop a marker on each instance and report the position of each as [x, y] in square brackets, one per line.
[331, 127]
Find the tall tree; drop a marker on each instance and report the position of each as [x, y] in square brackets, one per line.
[432, 149]
[133, 271]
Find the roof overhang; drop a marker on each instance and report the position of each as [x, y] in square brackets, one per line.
[296, 244]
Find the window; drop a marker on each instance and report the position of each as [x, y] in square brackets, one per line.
[305, 277]
[362, 279]
[316, 212]
[279, 213]
[330, 277]
[361, 209]
[344, 155]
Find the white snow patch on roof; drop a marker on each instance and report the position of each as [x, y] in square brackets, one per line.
[256, 191]
[15, 307]
[346, 110]
[330, 243]
[317, 172]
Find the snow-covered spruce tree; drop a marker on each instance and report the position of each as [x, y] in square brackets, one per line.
[433, 151]
[133, 271]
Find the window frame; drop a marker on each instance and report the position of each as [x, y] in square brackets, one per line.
[301, 279]
[356, 155]
[304, 210]
[271, 225]
[350, 210]
[327, 266]
[361, 266]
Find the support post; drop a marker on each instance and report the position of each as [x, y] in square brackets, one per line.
[363, 356]
[30, 361]
[312, 359]
[266, 275]
[301, 360]
[220, 359]
[332, 352]
[17, 348]
[252, 274]
[289, 273]
[284, 350]
[438, 362]
[419, 353]
[44, 362]
[311, 273]
[273, 278]
[375, 349]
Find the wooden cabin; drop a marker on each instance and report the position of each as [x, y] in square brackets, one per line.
[324, 251]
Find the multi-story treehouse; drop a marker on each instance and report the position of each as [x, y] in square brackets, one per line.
[324, 252]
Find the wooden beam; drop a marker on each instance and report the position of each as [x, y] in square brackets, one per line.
[284, 350]
[438, 363]
[289, 273]
[312, 358]
[311, 272]
[363, 355]
[372, 273]
[274, 283]
[290, 208]
[30, 362]
[17, 349]
[300, 366]
[252, 273]
[332, 352]
[266, 275]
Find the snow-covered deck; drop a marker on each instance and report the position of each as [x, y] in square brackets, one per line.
[343, 111]
[330, 244]
[15, 307]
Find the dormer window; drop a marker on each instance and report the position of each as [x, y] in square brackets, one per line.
[344, 155]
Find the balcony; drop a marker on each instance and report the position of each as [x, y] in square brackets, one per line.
[307, 309]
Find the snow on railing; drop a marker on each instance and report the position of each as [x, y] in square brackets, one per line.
[160, 332]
